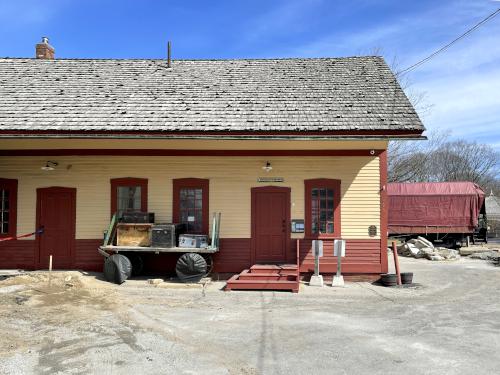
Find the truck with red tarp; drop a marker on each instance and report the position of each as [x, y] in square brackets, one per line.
[443, 212]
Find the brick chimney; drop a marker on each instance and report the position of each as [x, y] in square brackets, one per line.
[44, 50]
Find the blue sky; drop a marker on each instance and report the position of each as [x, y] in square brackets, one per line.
[462, 85]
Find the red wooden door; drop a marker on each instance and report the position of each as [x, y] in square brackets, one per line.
[56, 213]
[270, 222]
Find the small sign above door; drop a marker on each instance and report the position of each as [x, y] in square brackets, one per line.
[270, 179]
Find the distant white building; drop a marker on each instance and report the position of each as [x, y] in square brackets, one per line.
[493, 214]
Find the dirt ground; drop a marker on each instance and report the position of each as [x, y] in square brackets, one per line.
[449, 323]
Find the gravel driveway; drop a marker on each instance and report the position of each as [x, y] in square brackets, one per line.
[448, 324]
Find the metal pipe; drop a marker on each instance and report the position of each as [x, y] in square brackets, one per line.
[316, 258]
[339, 262]
[169, 56]
[396, 261]
[50, 269]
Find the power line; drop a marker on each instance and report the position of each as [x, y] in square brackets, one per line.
[442, 49]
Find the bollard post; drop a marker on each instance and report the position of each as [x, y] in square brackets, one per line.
[339, 251]
[396, 261]
[50, 269]
[317, 248]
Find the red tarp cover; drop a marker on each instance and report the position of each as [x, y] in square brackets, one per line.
[433, 204]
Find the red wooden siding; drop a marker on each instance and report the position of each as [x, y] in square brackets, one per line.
[86, 256]
[362, 256]
[234, 255]
[17, 254]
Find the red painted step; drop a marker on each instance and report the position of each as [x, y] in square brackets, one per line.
[267, 268]
[266, 277]
[247, 275]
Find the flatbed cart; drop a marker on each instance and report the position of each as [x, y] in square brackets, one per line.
[192, 264]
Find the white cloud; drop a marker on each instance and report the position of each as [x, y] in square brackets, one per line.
[462, 84]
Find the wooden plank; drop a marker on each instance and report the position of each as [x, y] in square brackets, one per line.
[116, 249]
[262, 284]
[110, 232]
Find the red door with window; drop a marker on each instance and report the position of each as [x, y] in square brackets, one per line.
[270, 223]
[56, 213]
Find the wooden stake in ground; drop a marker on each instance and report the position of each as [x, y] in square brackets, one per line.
[50, 269]
[396, 261]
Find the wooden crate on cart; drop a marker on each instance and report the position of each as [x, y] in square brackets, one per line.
[136, 234]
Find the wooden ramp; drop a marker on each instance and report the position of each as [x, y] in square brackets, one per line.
[266, 277]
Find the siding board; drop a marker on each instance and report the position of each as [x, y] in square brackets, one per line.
[230, 182]
[362, 256]
[86, 256]
[17, 254]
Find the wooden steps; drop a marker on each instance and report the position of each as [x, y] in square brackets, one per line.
[266, 277]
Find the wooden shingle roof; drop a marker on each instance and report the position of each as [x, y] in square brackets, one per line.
[270, 95]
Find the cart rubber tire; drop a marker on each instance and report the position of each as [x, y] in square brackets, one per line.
[191, 268]
[117, 268]
[137, 263]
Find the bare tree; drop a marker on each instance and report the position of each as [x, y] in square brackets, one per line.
[438, 159]
[462, 160]
[408, 161]
[441, 159]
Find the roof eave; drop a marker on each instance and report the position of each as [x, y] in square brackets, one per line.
[229, 135]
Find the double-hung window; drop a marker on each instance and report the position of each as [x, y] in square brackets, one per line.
[129, 194]
[190, 204]
[322, 205]
[8, 207]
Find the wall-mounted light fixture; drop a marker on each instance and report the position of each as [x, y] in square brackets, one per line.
[49, 166]
[267, 167]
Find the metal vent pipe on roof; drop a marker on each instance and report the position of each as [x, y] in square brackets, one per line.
[169, 55]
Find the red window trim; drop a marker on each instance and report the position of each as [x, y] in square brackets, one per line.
[129, 181]
[319, 183]
[11, 185]
[180, 183]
